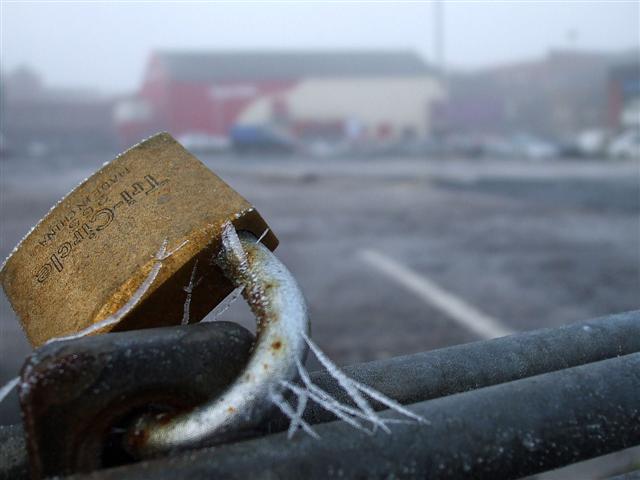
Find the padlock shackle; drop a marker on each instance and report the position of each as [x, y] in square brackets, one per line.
[281, 314]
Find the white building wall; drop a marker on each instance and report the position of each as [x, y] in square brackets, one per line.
[398, 102]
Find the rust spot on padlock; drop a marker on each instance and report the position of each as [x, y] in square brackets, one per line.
[90, 253]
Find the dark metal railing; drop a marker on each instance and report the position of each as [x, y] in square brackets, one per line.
[504, 431]
[502, 408]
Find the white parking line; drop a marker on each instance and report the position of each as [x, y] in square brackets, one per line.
[454, 307]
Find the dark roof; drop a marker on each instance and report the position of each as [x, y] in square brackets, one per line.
[266, 65]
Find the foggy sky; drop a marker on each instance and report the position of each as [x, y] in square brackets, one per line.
[106, 45]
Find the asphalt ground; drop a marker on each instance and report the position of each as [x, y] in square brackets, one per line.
[388, 251]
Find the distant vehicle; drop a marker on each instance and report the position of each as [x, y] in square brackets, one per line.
[323, 148]
[203, 143]
[465, 145]
[533, 148]
[626, 145]
[261, 138]
[418, 147]
[498, 147]
[592, 143]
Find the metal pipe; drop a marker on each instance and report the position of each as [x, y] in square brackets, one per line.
[79, 395]
[460, 368]
[437, 373]
[504, 431]
[635, 475]
[281, 313]
[13, 453]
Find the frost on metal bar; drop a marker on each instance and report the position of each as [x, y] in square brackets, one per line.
[353, 416]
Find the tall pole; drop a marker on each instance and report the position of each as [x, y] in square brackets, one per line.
[439, 58]
[439, 39]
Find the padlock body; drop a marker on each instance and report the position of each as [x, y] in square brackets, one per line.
[88, 256]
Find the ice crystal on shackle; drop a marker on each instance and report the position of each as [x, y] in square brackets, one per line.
[357, 416]
[362, 416]
[233, 296]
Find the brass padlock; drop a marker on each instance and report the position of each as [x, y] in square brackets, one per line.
[88, 256]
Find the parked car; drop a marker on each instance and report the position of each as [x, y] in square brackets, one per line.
[261, 138]
[626, 145]
[533, 148]
[203, 142]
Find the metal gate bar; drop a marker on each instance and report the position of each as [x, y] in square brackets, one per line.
[504, 431]
[437, 373]
[13, 453]
[635, 475]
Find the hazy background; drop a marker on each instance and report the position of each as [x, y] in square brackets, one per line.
[489, 150]
[105, 46]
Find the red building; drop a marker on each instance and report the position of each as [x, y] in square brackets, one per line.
[209, 93]
[624, 96]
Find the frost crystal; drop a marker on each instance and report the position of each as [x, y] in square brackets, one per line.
[233, 296]
[189, 291]
[354, 416]
[285, 408]
[261, 237]
[8, 387]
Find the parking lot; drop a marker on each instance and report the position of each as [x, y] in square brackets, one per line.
[403, 255]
